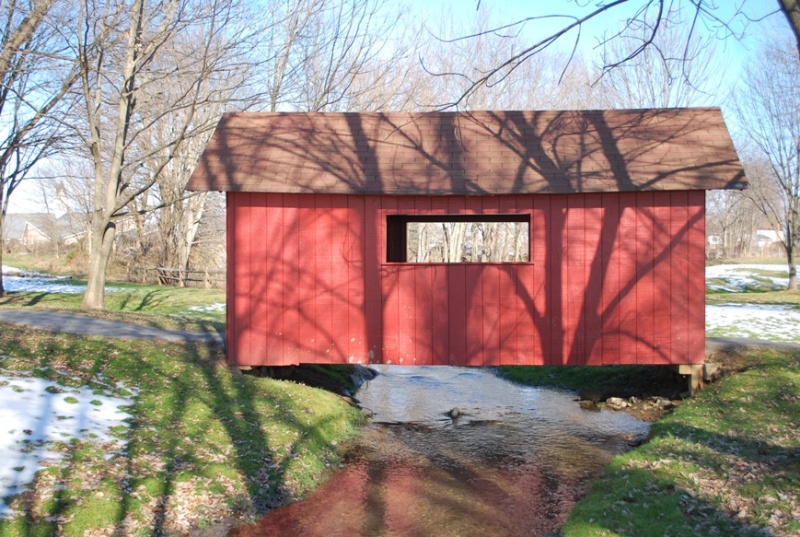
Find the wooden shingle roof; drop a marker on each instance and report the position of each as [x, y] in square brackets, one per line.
[470, 153]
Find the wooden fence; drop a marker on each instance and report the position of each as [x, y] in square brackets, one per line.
[177, 277]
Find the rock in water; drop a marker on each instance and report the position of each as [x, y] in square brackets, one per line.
[454, 413]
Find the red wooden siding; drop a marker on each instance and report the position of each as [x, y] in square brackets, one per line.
[613, 278]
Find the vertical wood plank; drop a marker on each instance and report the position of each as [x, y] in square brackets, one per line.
[336, 221]
[490, 297]
[474, 313]
[260, 256]
[662, 246]
[373, 244]
[511, 299]
[275, 270]
[244, 279]
[557, 312]
[612, 248]
[325, 337]
[679, 270]
[458, 301]
[231, 334]
[440, 300]
[696, 338]
[423, 303]
[645, 296]
[574, 274]
[474, 296]
[596, 226]
[390, 283]
[356, 307]
[287, 280]
[626, 247]
[407, 334]
[457, 313]
[541, 285]
[300, 278]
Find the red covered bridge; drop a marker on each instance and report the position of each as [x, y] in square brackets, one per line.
[609, 207]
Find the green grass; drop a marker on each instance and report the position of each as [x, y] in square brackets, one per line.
[726, 462]
[149, 305]
[748, 261]
[40, 262]
[595, 382]
[203, 441]
[571, 377]
[781, 298]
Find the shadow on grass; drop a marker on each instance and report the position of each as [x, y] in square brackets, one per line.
[194, 423]
[635, 501]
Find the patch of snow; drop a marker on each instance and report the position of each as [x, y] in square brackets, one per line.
[210, 308]
[33, 282]
[740, 277]
[761, 321]
[36, 413]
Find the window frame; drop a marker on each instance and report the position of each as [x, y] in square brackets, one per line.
[394, 224]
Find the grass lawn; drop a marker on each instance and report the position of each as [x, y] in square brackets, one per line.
[726, 462]
[149, 305]
[204, 444]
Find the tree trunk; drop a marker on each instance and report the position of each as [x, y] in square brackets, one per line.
[791, 10]
[102, 243]
[2, 239]
[2, 247]
[190, 226]
[792, 274]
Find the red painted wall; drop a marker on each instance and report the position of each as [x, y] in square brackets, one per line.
[614, 278]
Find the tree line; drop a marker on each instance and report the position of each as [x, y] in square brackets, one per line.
[114, 100]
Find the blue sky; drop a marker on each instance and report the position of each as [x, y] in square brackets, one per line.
[508, 11]
[737, 52]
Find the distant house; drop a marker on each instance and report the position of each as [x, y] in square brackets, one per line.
[29, 230]
[321, 209]
[767, 241]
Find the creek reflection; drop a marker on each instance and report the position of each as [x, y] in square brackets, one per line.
[459, 452]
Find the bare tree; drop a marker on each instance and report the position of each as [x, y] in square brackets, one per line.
[768, 107]
[679, 68]
[120, 46]
[646, 18]
[36, 73]
[331, 55]
[450, 66]
[733, 219]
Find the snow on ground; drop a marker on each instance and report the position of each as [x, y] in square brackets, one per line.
[760, 321]
[41, 283]
[36, 414]
[738, 278]
[210, 308]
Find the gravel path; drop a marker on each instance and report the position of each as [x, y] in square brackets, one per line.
[89, 326]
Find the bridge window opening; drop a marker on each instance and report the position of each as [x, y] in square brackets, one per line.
[480, 238]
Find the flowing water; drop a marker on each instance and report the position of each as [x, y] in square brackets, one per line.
[459, 452]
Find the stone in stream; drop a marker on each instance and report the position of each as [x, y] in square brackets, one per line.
[616, 403]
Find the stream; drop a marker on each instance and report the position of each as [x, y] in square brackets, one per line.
[458, 452]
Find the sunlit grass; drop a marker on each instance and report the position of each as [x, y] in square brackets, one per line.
[150, 305]
[724, 463]
[204, 443]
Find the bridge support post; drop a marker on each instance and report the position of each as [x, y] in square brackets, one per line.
[698, 374]
[694, 372]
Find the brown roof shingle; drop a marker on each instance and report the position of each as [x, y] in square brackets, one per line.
[470, 153]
